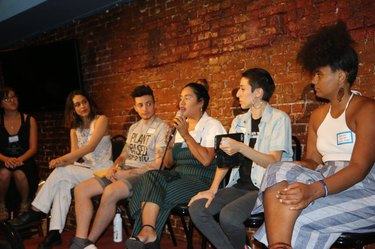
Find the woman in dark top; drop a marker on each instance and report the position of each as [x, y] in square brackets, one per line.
[18, 145]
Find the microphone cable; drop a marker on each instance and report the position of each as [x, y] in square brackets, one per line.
[138, 219]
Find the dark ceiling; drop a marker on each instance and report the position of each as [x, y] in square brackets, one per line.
[49, 15]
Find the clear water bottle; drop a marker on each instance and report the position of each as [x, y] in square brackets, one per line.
[117, 226]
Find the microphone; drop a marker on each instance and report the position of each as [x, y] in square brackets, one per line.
[174, 129]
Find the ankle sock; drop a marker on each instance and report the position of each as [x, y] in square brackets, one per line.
[80, 243]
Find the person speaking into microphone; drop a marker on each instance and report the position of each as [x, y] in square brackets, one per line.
[173, 130]
[191, 152]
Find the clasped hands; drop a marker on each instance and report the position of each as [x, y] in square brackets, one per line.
[115, 173]
[12, 162]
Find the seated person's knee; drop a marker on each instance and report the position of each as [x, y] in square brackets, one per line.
[19, 175]
[5, 174]
[197, 208]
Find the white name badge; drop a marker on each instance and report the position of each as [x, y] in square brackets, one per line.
[151, 130]
[345, 137]
[13, 139]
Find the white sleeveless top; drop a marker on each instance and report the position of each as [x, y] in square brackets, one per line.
[335, 141]
[101, 157]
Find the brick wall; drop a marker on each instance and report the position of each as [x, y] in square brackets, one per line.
[167, 43]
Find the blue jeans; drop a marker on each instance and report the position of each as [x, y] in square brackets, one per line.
[234, 206]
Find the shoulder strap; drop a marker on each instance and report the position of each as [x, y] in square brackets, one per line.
[23, 121]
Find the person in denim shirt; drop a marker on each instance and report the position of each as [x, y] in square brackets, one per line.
[267, 139]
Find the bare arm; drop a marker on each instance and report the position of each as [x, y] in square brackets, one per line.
[155, 165]
[313, 158]
[100, 130]
[33, 142]
[299, 195]
[210, 193]
[203, 154]
[363, 156]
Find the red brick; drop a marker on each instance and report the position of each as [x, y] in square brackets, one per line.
[216, 40]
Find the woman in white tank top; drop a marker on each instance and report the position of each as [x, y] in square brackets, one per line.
[333, 190]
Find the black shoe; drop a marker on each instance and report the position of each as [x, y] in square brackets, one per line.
[28, 219]
[52, 239]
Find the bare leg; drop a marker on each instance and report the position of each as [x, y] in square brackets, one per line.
[150, 214]
[22, 185]
[277, 213]
[84, 209]
[106, 211]
[5, 176]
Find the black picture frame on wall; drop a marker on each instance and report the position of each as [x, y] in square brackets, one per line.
[43, 75]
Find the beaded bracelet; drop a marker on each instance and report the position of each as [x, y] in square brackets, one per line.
[325, 187]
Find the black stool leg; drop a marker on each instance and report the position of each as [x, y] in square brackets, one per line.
[170, 230]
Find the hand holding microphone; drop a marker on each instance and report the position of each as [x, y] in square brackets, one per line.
[179, 123]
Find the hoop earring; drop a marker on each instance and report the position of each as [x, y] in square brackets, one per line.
[340, 94]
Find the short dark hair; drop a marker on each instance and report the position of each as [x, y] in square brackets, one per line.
[260, 78]
[330, 46]
[142, 90]
[201, 92]
[72, 119]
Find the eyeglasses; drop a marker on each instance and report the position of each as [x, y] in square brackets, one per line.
[10, 98]
[78, 104]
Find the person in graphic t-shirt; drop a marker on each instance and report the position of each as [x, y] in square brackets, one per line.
[142, 152]
[191, 154]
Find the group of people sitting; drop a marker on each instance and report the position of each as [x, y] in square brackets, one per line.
[306, 204]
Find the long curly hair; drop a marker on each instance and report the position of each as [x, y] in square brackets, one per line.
[72, 119]
[330, 46]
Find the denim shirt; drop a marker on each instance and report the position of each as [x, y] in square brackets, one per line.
[275, 134]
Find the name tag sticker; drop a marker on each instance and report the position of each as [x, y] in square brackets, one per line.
[345, 137]
[151, 131]
[13, 139]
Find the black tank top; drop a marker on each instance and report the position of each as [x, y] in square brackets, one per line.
[15, 145]
[244, 182]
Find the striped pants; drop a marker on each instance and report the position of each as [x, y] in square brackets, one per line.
[166, 189]
[323, 221]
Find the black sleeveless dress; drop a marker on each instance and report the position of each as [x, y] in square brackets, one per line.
[16, 149]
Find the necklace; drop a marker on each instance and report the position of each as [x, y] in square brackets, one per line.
[12, 124]
[11, 121]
